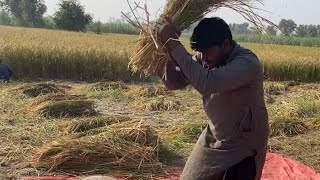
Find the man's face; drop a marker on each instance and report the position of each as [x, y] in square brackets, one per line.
[213, 57]
[217, 55]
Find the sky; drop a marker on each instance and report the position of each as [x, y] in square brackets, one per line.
[302, 12]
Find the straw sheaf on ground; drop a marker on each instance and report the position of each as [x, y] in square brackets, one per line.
[157, 104]
[107, 86]
[122, 148]
[138, 132]
[38, 89]
[96, 153]
[83, 125]
[64, 109]
[149, 91]
[54, 97]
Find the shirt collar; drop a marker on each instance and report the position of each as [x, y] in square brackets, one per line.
[234, 52]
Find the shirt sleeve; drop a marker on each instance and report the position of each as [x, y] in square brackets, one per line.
[241, 71]
[175, 80]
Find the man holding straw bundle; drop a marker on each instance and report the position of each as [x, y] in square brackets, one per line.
[230, 79]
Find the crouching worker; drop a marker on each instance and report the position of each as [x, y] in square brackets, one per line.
[5, 72]
[230, 80]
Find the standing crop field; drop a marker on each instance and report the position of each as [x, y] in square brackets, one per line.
[288, 62]
[37, 53]
[280, 40]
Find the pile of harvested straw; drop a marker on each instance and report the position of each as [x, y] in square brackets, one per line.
[78, 126]
[159, 104]
[38, 89]
[53, 97]
[117, 148]
[138, 132]
[107, 86]
[65, 109]
[149, 91]
[151, 57]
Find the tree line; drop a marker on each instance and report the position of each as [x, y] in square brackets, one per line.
[286, 27]
[70, 15]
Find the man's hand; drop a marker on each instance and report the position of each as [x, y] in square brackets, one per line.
[168, 33]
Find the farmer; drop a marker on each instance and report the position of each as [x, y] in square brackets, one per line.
[5, 72]
[230, 79]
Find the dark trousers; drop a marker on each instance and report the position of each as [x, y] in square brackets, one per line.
[245, 170]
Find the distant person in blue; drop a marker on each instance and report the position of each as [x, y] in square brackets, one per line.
[5, 72]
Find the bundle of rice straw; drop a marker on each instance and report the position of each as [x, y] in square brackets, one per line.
[39, 89]
[138, 132]
[97, 152]
[64, 109]
[54, 97]
[151, 56]
[159, 104]
[107, 86]
[116, 148]
[78, 126]
[149, 91]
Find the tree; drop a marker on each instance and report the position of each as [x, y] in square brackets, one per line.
[287, 27]
[243, 28]
[71, 16]
[33, 11]
[13, 6]
[5, 18]
[27, 12]
[302, 30]
[256, 30]
[240, 28]
[49, 23]
[96, 27]
[312, 31]
[271, 30]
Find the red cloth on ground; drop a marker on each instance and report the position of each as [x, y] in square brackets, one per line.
[280, 168]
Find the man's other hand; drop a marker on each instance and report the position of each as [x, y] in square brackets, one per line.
[168, 33]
